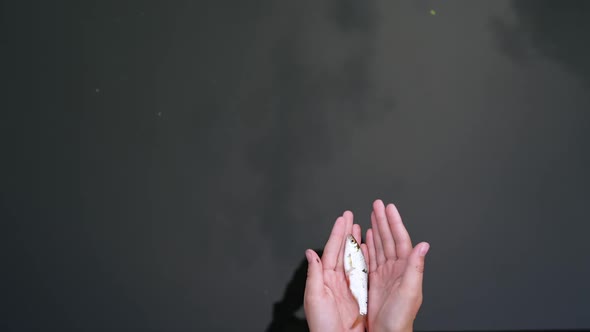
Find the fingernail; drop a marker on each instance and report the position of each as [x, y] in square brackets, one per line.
[424, 249]
[308, 255]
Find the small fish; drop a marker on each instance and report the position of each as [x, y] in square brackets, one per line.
[357, 275]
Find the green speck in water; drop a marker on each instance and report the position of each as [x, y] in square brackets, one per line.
[432, 12]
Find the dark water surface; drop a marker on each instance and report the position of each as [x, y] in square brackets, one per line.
[169, 162]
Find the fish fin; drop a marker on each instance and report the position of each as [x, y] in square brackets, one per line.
[359, 319]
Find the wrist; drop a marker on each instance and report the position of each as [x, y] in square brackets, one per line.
[409, 329]
[405, 329]
[393, 329]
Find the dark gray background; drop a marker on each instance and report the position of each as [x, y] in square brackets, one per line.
[166, 164]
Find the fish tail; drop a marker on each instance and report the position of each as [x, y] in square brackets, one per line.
[359, 319]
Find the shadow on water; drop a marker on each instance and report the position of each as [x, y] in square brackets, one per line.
[555, 29]
[284, 318]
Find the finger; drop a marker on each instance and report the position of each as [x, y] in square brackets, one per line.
[348, 220]
[349, 217]
[379, 254]
[372, 253]
[384, 231]
[356, 232]
[403, 243]
[314, 284]
[332, 248]
[365, 251]
[414, 274]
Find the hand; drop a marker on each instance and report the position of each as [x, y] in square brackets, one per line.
[328, 302]
[395, 272]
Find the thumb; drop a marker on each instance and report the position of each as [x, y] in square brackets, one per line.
[414, 274]
[315, 276]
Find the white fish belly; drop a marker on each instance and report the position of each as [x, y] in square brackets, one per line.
[357, 273]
